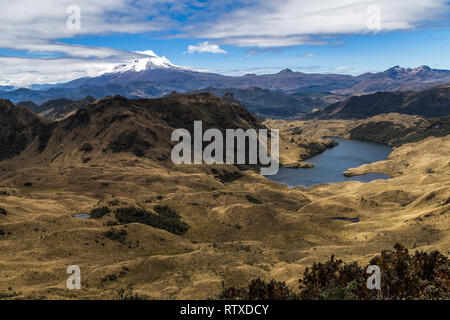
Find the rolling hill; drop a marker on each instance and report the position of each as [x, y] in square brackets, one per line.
[430, 103]
[141, 127]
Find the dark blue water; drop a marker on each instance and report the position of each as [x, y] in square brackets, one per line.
[332, 163]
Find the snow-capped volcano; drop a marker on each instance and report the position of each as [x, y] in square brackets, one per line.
[410, 71]
[149, 61]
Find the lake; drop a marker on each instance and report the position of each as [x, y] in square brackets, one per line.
[332, 163]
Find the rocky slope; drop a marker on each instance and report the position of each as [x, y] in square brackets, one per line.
[19, 128]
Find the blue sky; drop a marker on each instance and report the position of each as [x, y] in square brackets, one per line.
[228, 36]
[353, 54]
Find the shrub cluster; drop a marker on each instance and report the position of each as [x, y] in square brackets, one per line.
[420, 275]
[98, 213]
[253, 199]
[116, 235]
[165, 218]
[5, 295]
[228, 176]
[260, 290]
[424, 275]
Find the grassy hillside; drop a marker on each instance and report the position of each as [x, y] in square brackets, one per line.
[189, 232]
[393, 129]
[423, 275]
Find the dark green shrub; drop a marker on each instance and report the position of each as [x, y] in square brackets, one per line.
[228, 176]
[5, 295]
[259, 290]
[165, 211]
[403, 276]
[237, 226]
[424, 275]
[98, 213]
[114, 203]
[446, 202]
[116, 235]
[166, 218]
[333, 280]
[253, 199]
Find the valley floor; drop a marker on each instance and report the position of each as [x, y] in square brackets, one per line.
[232, 239]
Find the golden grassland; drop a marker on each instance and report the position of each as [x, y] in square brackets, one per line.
[231, 240]
[316, 129]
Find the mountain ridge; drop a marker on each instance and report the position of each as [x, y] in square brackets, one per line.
[103, 128]
[153, 77]
[433, 102]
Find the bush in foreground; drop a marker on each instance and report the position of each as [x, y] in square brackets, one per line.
[420, 275]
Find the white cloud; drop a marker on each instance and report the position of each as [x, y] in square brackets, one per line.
[294, 22]
[69, 50]
[40, 27]
[21, 72]
[270, 41]
[205, 47]
[35, 25]
[346, 70]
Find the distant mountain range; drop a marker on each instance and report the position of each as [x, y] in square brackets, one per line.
[155, 76]
[262, 102]
[433, 102]
[430, 103]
